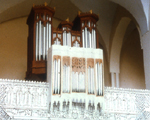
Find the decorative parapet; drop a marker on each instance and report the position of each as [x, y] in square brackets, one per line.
[29, 100]
[24, 94]
[127, 102]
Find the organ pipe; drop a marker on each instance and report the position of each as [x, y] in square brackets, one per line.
[83, 38]
[64, 80]
[68, 77]
[77, 81]
[92, 38]
[44, 43]
[58, 76]
[94, 46]
[96, 77]
[73, 82]
[67, 40]
[49, 39]
[64, 38]
[93, 87]
[101, 80]
[89, 88]
[46, 38]
[37, 41]
[40, 40]
[90, 46]
[91, 82]
[54, 75]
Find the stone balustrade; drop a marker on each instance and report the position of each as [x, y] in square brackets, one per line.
[24, 94]
[28, 99]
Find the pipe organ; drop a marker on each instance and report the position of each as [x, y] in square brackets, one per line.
[70, 57]
[39, 39]
[42, 35]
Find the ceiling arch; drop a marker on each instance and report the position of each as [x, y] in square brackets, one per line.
[117, 44]
[139, 10]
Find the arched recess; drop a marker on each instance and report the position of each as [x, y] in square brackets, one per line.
[116, 49]
[131, 60]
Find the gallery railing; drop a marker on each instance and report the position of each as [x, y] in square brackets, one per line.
[30, 99]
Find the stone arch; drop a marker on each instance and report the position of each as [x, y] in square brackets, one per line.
[116, 49]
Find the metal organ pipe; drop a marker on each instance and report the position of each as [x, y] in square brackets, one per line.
[73, 82]
[101, 79]
[64, 80]
[91, 83]
[58, 73]
[77, 79]
[89, 91]
[69, 39]
[54, 85]
[83, 38]
[40, 40]
[44, 43]
[37, 41]
[56, 76]
[68, 71]
[64, 38]
[96, 77]
[49, 37]
[90, 42]
[92, 38]
[46, 38]
[93, 87]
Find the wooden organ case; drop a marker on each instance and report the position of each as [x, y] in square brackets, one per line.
[39, 40]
